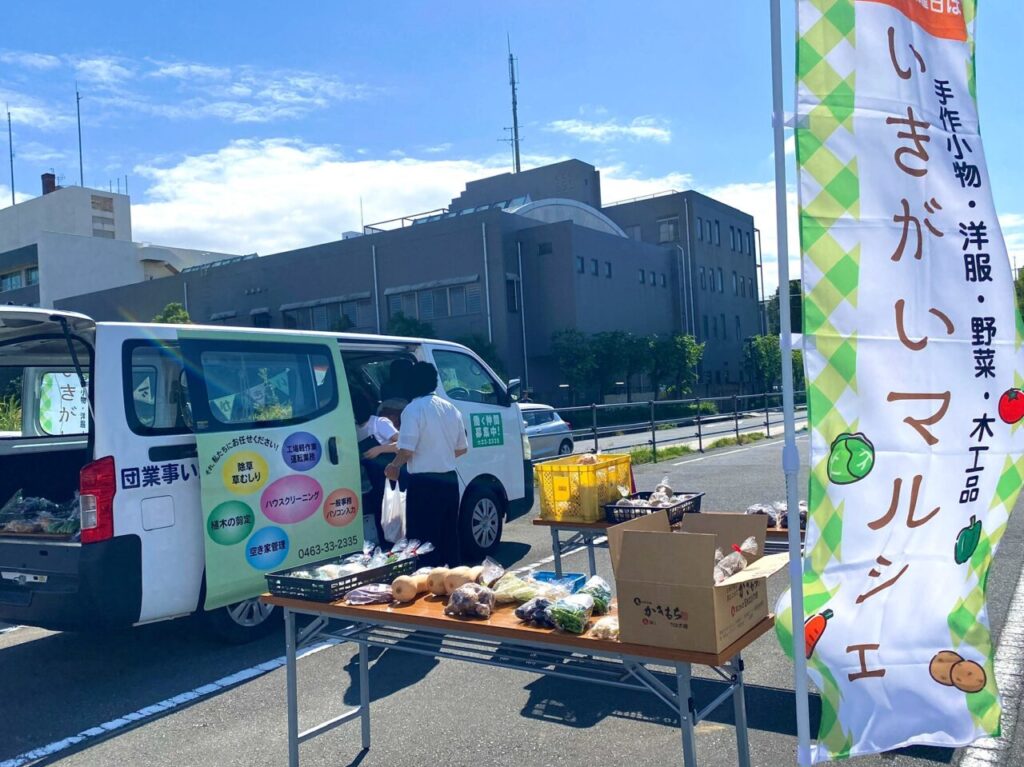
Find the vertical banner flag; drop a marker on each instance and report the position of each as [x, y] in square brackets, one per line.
[914, 403]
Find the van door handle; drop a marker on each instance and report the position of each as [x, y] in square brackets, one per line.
[332, 450]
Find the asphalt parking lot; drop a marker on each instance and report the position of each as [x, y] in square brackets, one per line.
[165, 694]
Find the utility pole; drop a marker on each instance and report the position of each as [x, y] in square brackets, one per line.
[515, 105]
[78, 111]
[10, 146]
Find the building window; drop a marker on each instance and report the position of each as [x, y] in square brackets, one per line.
[594, 267]
[654, 281]
[512, 295]
[703, 281]
[721, 281]
[544, 249]
[581, 265]
[10, 281]
[750, 282]
[457, 301]
[718, 233]
[739, 334]
[641, 274]
[732, 238]
[104, 204]
[608, 269]
[261, 320]
[633, 232]
[743, 288]
[668, 230]
[700, 229]
[707, 231]
[423, 305]
[705, 327]
[662, 279]
[735, 285]
[714, 326]
[746, 237]
[725, 334]
[32, 275]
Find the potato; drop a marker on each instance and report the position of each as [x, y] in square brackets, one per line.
[968, 676]
[457, 577]
[435, 581]
[941, 666]
[406, 588]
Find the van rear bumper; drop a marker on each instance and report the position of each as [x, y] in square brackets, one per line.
[96, 585]
[522, 505]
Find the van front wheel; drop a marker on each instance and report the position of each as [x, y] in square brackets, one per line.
[243, 621]
[480, 523]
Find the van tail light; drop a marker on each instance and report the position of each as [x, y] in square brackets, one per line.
[96, 487]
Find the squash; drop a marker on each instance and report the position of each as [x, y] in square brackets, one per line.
[407, 587]
[435, 581]
[460, 576]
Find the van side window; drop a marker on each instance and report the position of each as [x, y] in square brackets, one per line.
[62, 404]
[463, 378]
[271, 385]
[155, 398]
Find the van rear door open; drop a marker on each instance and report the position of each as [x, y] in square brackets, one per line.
[277, 453]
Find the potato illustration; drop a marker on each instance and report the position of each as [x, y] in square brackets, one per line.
[968, 676]
[942, 665]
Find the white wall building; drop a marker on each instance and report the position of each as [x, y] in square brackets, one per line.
[75, 240]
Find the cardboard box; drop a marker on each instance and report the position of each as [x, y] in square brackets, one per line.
[665, 585]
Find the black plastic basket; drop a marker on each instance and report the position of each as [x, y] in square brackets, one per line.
[689, 505]
[284, 584]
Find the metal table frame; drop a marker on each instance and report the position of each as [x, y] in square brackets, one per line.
[609, 669]
[582, 534]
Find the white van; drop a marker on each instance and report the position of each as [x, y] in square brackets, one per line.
[102, 521]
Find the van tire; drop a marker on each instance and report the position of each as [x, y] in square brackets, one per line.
[480, 522]
[242, 622]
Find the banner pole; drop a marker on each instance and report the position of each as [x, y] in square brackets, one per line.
[790, 454]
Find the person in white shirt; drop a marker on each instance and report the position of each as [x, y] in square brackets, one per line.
[377, 443]
[433, 435]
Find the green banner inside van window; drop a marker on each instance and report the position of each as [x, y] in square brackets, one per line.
[279, 462]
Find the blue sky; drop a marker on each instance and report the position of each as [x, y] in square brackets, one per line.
[256, 126]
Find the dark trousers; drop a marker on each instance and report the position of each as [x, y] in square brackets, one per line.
[432, 514]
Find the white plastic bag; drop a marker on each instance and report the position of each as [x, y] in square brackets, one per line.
[392, 517]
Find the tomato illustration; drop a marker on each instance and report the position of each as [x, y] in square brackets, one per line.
[1011, 405]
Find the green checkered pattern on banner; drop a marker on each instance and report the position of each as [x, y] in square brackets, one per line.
[830, 191]
[46, 410]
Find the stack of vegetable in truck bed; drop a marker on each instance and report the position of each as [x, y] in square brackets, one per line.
[39, 516]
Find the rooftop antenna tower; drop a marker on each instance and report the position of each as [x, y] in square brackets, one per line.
[10, 146]
[512, 81]
[78, 111]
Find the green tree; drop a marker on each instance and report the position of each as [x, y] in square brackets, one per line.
[609, 359]
[400, 325]
[795, 309]
[1018, 289]
[798, 370]
[342, 324]
[763, 358]
[634, 355]
[173, 314]
[574, 356]
[685, 361]
[660, 362]
[488, 351]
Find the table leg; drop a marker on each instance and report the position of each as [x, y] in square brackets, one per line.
[686, 712]
[739, 704]
[556, 549]
[364, 692]
[590, 555]
[292, 687]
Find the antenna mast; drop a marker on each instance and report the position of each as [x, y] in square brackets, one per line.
[10, 145]
[515, 107]
[78, 111]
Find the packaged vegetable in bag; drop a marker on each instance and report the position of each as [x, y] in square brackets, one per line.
[370, 594]
[490, 572]
[511, 588]
[470, 600]
[551, 590]
[606, 628]
[598, 588]
[737, 560]
[535, 612]
[572, 614]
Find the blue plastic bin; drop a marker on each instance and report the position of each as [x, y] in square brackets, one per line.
[547, 576]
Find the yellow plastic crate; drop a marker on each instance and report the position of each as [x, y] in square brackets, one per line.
[575, 492]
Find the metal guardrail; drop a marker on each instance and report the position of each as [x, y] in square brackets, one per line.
[710, 418]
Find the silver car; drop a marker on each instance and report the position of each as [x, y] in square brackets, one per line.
[549, 434]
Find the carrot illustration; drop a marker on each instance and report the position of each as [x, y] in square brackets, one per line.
[814, 627]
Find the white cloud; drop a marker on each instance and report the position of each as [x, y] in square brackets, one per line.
[187, 71]
[5, 196]
[29, 111]
[617, 184]
[438, 148]
[643, 128]
[102, 70]
[29, 60]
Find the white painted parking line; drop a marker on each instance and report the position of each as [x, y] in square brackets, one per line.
[548, 560]
[9, 629]
[161, 707]
[738, 450]
[1009, 656]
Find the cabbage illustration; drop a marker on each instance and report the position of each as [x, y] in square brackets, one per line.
[851, 459]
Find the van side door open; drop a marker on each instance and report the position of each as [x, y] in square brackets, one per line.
[277, 453]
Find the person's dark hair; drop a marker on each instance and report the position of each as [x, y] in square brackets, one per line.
[362, 406]
[421, 380]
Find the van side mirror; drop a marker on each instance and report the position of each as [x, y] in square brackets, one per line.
[515, 389]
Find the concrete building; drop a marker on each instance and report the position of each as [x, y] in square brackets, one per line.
[74, 240]
[513, 259]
